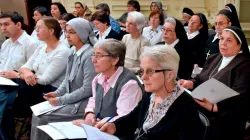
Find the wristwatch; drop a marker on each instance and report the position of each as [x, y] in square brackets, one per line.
[19, 75]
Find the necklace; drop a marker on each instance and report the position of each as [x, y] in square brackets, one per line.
[212, 74]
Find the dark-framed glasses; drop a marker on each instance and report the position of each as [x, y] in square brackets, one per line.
[98, 55]
[150, 72]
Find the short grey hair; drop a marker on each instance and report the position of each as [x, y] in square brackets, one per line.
[114, 48]
[170, 20]
[139, 19]
[166, 57]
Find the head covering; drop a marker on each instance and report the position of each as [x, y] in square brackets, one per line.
[240, 36]
[229, 15]
[188, 11]
[204, 29]
[83, 29]
[180, 32]
[235, 17]
[159, 5]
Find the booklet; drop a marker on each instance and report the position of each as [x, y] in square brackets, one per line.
[67, 130]
[7, 82]
[214, 91]
[44, 107]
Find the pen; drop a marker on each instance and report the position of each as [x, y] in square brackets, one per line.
[97, 116]
[107, 120]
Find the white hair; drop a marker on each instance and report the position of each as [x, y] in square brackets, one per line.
[170, 20]
[139, 19]
[166, 57]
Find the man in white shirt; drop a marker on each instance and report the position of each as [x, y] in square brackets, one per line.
[14, 52]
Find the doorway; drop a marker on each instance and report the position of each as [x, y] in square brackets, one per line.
[31, 4]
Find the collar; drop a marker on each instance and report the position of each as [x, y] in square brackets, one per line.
[173, 44]
[112, 80]
[192, 35]
[21, 38]
[81, 50]
[105, 33]
[158, 28]
[216, 37]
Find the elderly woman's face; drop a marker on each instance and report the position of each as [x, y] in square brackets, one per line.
[168, 33]
[131, 25]
[153, 82]
[194, 23]
[102, 61]
[221, 22]
[185, 17]
[72, 36]
[228, 44]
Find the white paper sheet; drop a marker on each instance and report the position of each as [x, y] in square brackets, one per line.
[44, 107]
[214, 91]
[197, 70]
[95, 134]
[7, 82]
[52, 132]
[69, 130]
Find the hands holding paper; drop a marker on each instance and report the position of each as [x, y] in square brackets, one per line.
[90, 119]
[207, 105]
[10, 74]
[107, 127]
[51, 97]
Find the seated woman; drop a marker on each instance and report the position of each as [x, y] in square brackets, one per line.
[83, 11]
[57, 9]
[174, 36]
[75, 90]
[153, 33]
[169, 113]
[186, 16]
[156, 6]
[116, 90]
[230, 7]
[41, 74]
[222, 20]
[197, 36]
[133, 5]
[134, 41]
[39, 12]
[63, 19]
[102, 23]
[231, 66]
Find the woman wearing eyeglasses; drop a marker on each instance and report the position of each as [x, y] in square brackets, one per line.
[169, 113]
[116, 90]
[75, 90]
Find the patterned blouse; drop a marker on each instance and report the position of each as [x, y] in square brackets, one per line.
[154, 115]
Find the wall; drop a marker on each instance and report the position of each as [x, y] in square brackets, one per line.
[14, 5]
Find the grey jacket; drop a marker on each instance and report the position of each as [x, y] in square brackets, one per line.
[77, 90]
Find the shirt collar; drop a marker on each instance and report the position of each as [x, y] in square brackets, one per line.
[173, 44]
[112, 80]
[21, 39]
[216, 37]
[192, 35]
[105, 33]
[81, 50]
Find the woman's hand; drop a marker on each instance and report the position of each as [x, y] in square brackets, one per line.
[186, 83]
[49, 95]
[78, 122]
[52, 101]
[90, 119]
[10, 74]
[30, 78]
[207, 105]
[107, 127]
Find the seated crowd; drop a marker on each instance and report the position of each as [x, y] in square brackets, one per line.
[90, 63]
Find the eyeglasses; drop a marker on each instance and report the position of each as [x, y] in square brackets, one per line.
[167, 30]
[70, 32]
[219, 23]
[150, 72]
[98, 56]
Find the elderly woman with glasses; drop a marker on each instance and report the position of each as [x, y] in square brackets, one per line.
[134, 41]
[231, 67]
[169, 113]
[116, 90]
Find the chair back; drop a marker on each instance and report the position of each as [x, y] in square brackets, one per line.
[205, 123]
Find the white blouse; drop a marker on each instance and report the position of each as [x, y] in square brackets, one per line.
[153, 37]
[50, 68]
